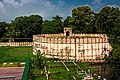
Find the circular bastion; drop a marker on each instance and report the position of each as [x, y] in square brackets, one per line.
[70, 46]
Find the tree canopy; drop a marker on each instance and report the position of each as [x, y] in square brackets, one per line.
[4, 27]
[53, 27]
[25, 26]
[83, 20]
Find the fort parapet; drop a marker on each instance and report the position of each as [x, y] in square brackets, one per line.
[69, 46]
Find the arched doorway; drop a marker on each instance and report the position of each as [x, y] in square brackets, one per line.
[67, 33]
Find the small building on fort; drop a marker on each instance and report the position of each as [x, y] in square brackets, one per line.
[70, 46]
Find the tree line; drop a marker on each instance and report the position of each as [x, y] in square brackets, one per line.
[83, 20]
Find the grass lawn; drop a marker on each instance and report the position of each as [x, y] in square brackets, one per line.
[59, 72]
[14, 54]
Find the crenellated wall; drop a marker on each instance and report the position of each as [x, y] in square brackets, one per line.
[80, 47]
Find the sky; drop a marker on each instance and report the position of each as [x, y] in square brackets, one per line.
[10, 9]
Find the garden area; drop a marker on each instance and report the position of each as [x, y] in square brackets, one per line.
[42, 68]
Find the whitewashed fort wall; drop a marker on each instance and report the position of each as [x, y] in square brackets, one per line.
[79, 47]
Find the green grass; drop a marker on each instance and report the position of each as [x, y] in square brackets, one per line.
[85, 65]
[14, 54]
[53, 64]
[58, 71]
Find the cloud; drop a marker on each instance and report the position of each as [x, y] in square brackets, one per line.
[44, 8]
[96, 2]
[13, 3]
[2, 7]
[61, 3]
[13, 8]
[97, 5]
[26, 1]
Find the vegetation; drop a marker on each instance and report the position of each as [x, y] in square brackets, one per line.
[83, 20]
[115, 54]
[52, 27]
[14, 54]
[25, 27]
[55, 70]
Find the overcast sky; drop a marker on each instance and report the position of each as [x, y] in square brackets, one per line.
[9, 9]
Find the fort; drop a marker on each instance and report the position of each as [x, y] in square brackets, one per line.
[70, 46]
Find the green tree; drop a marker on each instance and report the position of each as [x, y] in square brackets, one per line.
[69, 21]
[40, 60]
[83, 18]
[57, 17]
[97, 24]
[34, 26]
[53, 27]
[116, 54]
[4, 27]
[110, 20]
[25, 26]
[47, 27]
[57, 24]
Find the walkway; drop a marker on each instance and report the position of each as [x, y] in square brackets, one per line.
[12, 71]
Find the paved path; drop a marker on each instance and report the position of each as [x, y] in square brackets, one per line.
[12, 71]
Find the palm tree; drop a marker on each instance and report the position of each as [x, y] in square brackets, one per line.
[57, 17]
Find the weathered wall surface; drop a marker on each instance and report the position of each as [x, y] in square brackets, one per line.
[16, 43]
[75, 47]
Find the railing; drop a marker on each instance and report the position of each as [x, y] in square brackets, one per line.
[16, 42]
[26, 69]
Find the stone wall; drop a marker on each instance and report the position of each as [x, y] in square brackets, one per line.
[80, 47]
[16, 43]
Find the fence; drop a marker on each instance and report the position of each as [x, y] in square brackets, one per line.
[15, 41]
[26, 69]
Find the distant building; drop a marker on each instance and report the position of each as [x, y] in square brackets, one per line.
[70, 46]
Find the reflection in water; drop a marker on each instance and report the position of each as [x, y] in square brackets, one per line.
[105, 71]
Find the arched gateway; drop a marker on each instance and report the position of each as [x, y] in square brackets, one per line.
[70, 46]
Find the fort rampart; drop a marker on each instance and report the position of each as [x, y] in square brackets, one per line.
[80, 47]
